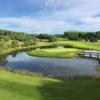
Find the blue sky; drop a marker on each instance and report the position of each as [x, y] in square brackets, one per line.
[50, 16]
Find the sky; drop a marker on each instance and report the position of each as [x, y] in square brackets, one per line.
[50, 16]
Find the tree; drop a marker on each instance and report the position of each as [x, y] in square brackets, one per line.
[52, 38]
[42, 36]
[29, 43]
[98, 34]
[74, 35]
[19, 36]
[86, 39]
[5, 38]
[14, 44]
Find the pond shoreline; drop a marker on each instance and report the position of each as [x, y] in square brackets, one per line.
[56, 67]
[40, 75]
[23, 48]
[61, 66]
[55, 52]
[62, 43]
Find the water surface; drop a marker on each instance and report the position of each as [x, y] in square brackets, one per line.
[69, 67]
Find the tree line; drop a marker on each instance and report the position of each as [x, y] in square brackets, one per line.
[28, 39]
[88, 36]
[72, 35]
[50, 38]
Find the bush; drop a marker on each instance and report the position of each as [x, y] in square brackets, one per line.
[52, 38]
[5, 38]
[29, 43]
[14, 44]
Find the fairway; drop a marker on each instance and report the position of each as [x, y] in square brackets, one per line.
[80, 44]
[17, 87]
[55, 52]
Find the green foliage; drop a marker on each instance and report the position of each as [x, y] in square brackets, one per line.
[59, 35]
[71, 35]
[19, 36]
[88, 36]
[29, 43]
[14, 44]
[5, 38]
[52, 38]
[42, 36]
[3, 46]
[98, 34]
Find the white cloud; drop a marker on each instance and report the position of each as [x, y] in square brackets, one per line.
[58, 16]
[90, 20]
[29, 24]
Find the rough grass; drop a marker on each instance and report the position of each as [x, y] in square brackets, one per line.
[81, 44]
[17, 87]
[98, 68]
[39, 44]
[54, 52]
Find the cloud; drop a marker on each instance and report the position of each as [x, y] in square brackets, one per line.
[28, 24]
[56, 16]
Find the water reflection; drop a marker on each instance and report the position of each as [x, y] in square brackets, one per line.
[50, 66]
[60, 46]
[99, 61]
[3, 60]
[91, 51]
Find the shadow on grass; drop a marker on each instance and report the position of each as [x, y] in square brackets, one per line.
[70, 89]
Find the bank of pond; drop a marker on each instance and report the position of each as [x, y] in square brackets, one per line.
[54, 66]
[63, 52]
[19, 87]
[55, 52]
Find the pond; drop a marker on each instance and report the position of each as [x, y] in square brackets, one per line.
[69, 67]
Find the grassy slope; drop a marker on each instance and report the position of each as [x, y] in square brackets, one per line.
[16, 87]
[22, 47]
[54, 52]
[79, 44]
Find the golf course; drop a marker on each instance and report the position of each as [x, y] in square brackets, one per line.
[22, 87]
[49, 50]
[18, 87]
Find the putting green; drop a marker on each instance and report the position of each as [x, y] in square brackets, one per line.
[55, 52]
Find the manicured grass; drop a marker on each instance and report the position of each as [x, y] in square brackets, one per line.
[54, 52]
[79, 44]
[17, 87]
